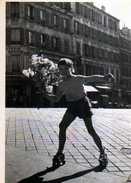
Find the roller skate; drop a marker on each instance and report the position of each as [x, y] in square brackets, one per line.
[103, 160]
[58, 160]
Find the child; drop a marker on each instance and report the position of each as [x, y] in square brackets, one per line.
[78, 106]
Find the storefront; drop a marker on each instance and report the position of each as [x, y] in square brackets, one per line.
[18, 91]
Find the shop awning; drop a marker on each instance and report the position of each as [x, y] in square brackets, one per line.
[89, 88]
[104, 87]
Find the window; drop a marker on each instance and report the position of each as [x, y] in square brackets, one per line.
[66, 46]
[30, 37]
[78, 48]
[65, 23]
[116, 27]
[8, 64]
[105, 21]
[15, 35]
[54, 19]
[116, 57]
[111, 24]
[86, 50]
[41, 15]
[94, 34]
[95, 52]
[77, 7]
[93, 15]
[47, 42]
[85, 11]
[99, 19]
[86, 31]
[105, 54]
[42, 39]
[25, 64]
[92, 52]
[15, 9]
[58, 4]
[30, 12]
[99, 53]
[15, 63]
[100, 36]
[67, 6]
[76, 27]
[54, 43]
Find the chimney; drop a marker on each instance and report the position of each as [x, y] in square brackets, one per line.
[103, 8]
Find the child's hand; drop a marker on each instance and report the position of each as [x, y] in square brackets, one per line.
[109, 77]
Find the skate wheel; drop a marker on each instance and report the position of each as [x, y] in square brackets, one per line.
[103, 163]
[62, 163]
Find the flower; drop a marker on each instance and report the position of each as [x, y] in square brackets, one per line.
[41, 65]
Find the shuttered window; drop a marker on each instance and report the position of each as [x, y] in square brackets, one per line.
[15, 10]
[30, 37]
[15, 60]
[15, 35]
[30, 12]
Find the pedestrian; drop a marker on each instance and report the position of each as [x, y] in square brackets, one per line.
[78, 105]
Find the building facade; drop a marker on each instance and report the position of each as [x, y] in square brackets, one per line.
[95, 39]
[33, 28]
[80, 31]
[125, 65]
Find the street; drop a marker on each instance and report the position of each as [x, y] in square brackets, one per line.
[32, 141]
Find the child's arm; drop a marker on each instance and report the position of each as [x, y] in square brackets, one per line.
[97, 78]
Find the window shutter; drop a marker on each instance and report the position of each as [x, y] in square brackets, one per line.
[26, 38]
[21, 36]
[8, 33]
[15, 10]
[47, 19]
[37, 14]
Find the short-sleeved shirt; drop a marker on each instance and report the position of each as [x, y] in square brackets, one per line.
[77, 102]
[72, 88]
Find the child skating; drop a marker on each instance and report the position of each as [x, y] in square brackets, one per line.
[77, 106]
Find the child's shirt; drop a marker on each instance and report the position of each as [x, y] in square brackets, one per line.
[73, 88]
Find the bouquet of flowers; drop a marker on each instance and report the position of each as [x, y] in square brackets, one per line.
[42, 71]
[40, 64]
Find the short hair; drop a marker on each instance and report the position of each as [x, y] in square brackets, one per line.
[65, 61]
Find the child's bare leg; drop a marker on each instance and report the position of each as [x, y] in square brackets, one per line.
[92, 132]
[103, 161]
[66, 121]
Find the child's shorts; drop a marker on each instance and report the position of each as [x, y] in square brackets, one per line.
[80, 108]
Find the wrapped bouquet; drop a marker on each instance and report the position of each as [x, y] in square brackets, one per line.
[42, 71]
[40, 64]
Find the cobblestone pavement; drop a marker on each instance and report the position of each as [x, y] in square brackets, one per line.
[37, 131]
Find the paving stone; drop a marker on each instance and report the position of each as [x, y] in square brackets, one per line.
[33, 133]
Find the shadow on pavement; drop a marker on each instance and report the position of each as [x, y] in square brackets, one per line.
[36, 178]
